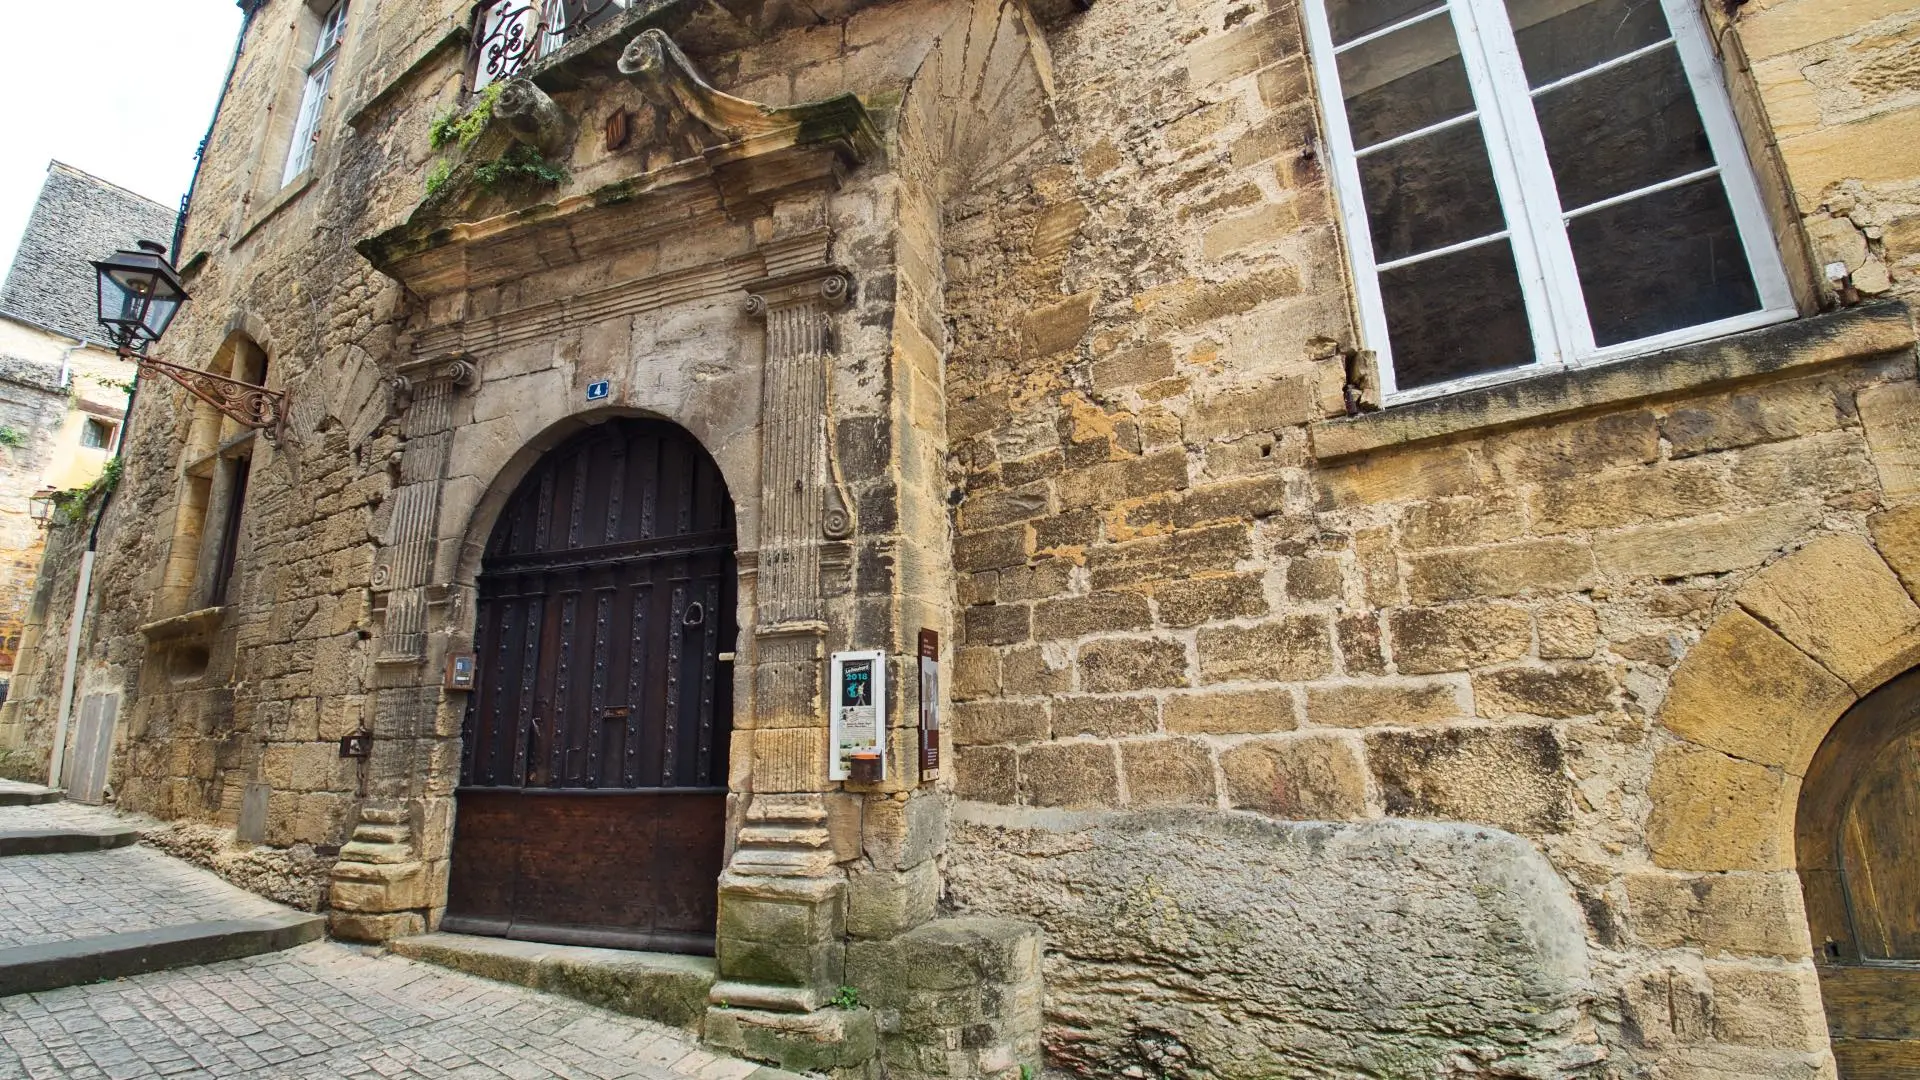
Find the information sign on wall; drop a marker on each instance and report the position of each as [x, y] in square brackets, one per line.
[929, 706]
[859, 716]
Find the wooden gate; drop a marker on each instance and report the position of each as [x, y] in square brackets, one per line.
[592, 800]
[1859, 859]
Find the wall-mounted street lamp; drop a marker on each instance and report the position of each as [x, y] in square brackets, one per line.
[40, 505]
[140, 292]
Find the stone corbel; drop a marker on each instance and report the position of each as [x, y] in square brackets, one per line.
[532, 118]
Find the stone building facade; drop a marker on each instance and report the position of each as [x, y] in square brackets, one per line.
[63, 394]
[1503, 730]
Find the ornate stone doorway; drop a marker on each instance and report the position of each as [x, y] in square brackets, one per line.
[592, 799]
[1858, 840]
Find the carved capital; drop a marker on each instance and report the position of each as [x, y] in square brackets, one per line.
[828, 286]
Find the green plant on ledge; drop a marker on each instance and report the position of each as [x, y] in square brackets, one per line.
[73, 502]
[13, 436]
[454, 126]
[522, 163]
[847, 997]
[438, 175]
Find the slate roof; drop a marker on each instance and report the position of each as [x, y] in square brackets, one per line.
[78, 218]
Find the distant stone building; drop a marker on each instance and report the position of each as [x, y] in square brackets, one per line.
[1418, 509]
[63, 394]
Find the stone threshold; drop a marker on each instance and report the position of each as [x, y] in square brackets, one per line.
[27, 969]
[17, 794]
[66, 841]
[664, 987]
[1785, 349]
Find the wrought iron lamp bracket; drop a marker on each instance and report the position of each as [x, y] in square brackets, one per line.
[254, 406]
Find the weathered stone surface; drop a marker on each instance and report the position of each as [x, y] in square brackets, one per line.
[1738, 913]
[1712, 812]
[1116, 665]
[1308, 777]
[1230, 712]
[1767, 1005]
[1503, 570]
[1706, 546]
[1745, 691]
[1073, 775]
[1837, 600]
[1564, 690]
[1365, 704]
[1167, 772]
[1296, 647]
[1247, 948]
[1513, 777]
[1453, 638]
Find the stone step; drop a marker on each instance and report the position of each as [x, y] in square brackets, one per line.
[26, 969]
[14, 793]
[65, 840]
[664, 987]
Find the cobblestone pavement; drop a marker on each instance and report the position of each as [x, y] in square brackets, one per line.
[327, 1010]
[59, 897]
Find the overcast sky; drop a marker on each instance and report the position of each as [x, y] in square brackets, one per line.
[123, 89]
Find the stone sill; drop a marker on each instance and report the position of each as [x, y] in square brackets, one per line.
[288, 195]
[1856, 333]
[192, 624]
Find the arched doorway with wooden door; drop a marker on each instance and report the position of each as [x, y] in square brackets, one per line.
[1858, 845]
[592, 801]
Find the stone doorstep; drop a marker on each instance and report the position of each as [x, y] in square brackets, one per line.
[18, 794]
[28, 969]
[65, 841]
[667, 988]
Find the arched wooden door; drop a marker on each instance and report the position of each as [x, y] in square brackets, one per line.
[592, 799]
[1859, 857]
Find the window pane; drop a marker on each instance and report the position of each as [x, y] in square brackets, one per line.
[1662, 262]
[1350, 19]
[1409, 79]
[1559, 38]
[1430, 192]
[1622, 129]
[1455, 315]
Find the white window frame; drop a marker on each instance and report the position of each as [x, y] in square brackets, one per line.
[1529, 198]
[313, 100]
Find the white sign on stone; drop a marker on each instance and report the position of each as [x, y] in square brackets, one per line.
[859, 708]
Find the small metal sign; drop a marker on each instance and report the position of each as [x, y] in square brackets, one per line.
[357, 745]
[859, 714]
[929, 706]
[599, 391]
[460, 669]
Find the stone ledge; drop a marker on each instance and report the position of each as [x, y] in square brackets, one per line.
[65, 841]
[1869, 330]
[663, 987]
[191, 624]
[32, 968]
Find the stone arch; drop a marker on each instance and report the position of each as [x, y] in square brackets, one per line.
[514, 464]
[1747, 710]
[1750, 704]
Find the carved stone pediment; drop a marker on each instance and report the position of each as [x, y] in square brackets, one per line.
[740, 154]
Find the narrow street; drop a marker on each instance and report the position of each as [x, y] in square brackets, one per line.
[319, 1009]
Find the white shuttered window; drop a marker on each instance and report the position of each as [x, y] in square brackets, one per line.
[313, 102]
[1528, 185]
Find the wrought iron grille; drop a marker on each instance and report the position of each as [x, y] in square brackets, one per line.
[511, 34]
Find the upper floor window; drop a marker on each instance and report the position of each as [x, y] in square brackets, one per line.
[510, 34]
[1534, 184]
[313, 102]
[97, 434]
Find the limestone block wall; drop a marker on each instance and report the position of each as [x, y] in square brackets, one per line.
[1184, 587]
[1838, 90]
